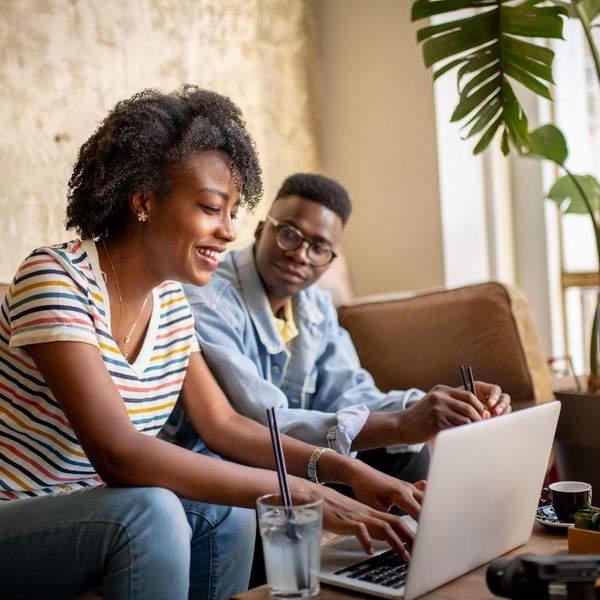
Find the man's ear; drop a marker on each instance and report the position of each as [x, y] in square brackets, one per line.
[259, 229]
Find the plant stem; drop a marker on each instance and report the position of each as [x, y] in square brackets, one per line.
[595, 324]
[587, 30]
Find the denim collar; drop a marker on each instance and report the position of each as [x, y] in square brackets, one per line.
[259, 308]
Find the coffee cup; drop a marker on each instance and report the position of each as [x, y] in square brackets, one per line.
[567, 497]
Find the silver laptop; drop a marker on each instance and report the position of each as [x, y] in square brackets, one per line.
[483, 489]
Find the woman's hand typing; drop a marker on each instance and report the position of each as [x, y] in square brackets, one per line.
[345, 516]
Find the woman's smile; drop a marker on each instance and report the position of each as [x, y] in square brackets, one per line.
[208, 256]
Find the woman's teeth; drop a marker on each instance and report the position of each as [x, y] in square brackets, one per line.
[207, 252]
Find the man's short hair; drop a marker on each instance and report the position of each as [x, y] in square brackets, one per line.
[320, 189]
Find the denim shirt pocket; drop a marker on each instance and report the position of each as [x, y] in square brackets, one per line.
[300, 395]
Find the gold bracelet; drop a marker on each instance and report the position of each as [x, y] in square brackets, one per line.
[312, 463]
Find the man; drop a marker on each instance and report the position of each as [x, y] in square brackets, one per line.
[272, 338]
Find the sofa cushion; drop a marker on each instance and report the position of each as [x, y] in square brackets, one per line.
[420, 340]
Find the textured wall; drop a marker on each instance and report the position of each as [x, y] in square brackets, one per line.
[64, 63]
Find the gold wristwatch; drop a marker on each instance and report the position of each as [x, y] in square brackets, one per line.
[312, 463]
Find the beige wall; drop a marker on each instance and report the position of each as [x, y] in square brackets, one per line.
[64, 63]
[379, 140]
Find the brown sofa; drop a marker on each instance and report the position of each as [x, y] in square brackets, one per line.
[419, 340]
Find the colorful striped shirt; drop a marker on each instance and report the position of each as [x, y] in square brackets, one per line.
[59, 294]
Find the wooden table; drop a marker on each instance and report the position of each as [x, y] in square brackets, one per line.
[471, 586]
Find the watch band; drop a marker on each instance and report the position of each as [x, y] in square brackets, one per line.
[312, 463]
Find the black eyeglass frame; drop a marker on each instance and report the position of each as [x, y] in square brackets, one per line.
[279, 226]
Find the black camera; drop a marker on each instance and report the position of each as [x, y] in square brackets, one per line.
[532, 577]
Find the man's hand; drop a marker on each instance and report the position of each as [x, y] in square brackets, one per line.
[442, 407]
[493, 398]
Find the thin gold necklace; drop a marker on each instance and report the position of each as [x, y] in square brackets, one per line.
[127, 336]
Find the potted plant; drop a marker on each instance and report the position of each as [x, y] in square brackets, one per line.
[496, 42]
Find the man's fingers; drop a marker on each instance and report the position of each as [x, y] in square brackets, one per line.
[462, 412]
[467, 398]
[490, 393]
[503, 406]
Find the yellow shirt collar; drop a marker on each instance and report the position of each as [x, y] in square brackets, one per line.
[286, 325]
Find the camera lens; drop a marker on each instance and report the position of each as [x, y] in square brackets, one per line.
[502, 577]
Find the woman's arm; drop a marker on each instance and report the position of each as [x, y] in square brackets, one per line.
[122, 456]
[244, 440]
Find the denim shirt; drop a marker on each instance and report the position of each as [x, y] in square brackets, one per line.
[321, 393]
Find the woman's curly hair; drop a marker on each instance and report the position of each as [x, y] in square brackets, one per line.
[141, 140]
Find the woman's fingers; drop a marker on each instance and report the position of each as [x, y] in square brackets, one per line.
[361, 532]
[393, 531]
[411, 503]
[346, 516]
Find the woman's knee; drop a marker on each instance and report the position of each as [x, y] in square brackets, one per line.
[222, 549]
[227, 522]
[159, 511]
[153, 545]
[244, 523]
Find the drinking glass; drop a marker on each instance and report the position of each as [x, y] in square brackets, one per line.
[291, 538]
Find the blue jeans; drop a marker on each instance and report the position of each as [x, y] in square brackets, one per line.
[134, 543]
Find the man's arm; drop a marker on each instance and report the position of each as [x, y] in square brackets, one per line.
[399, 417]
[348, 412]
[226, 342]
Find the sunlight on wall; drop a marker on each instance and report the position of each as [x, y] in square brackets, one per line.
[64, 64]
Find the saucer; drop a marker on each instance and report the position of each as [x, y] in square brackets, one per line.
[545, 516]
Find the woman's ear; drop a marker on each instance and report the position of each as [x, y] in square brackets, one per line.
[142, 204]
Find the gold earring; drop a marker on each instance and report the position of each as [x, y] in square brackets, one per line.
[142, 216]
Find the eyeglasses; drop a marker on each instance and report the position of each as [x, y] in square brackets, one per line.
[289, 238]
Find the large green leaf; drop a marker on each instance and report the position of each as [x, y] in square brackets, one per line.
[422, 9]
[548, 142]
[488, 49]
[566, 193]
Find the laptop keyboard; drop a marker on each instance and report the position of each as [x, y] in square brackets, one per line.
[387, 569]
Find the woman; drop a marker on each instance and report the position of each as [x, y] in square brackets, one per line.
[96, 346]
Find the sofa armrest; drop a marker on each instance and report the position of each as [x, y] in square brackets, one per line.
[420, 340]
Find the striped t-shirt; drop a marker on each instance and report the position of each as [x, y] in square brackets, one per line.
[59, 294]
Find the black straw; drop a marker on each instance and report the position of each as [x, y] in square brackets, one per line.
[284, 487]
[302, 578]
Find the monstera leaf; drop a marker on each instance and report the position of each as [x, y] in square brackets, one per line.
[573, 193]
[490, 47]
[568, 192]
